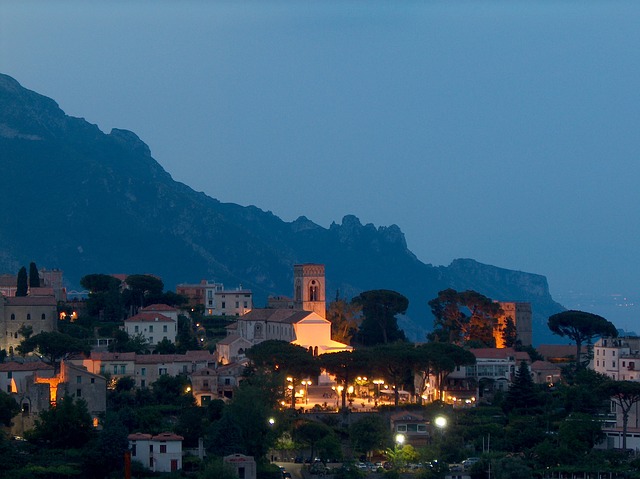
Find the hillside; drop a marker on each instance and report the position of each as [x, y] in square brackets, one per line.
[85, 201]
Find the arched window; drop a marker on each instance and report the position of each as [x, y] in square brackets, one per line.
[13, 316]
[28, 316]
[313, 291]
[44, 316]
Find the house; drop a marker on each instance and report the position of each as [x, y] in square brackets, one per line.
[413, 428]
[153, 327]
[232, 348]
[245, 466]
[217, 382]
[494, 370]
[544, 372]
[159, 453]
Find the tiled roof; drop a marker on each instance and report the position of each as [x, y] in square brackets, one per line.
[493, 353]
[232, 338]
[138, 436]
[167, 436]
[548, 351]
[288, 316]
[149, 318]
[96, 356]
[159, 307]
[544, 366]
[27, 366]
[31, 301]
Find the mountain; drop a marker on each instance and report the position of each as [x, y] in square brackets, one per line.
[85, 202]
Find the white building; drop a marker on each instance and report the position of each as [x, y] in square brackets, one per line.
[154, 327]
[618, 358]
[160, 453]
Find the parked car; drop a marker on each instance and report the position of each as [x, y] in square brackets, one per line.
[469, 462]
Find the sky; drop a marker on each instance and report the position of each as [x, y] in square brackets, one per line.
[503, 131]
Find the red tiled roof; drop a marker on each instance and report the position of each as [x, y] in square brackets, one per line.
[289, 316]
[493, 353]
[544, 366]
[138, 436]
[149, 318]
[27, 366]
[159, 307]
[548, 351]
[113, 356]
[167, 436]
[31, 301]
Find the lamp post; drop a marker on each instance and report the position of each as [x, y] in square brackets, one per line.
[306, 383]
[441, 423]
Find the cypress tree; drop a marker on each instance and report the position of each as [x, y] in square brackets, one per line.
[34, 277]
[21, 285]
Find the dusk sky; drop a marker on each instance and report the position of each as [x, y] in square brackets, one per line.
[502, 131]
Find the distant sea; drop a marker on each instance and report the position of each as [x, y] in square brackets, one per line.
[623, 310]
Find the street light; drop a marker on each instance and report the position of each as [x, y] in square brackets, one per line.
[378, 382]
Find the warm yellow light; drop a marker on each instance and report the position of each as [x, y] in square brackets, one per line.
[440, 421]
[350, 390]
[400, 439]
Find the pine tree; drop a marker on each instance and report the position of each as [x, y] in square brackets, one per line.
[34, 277]
[523, 394]
[21, 285]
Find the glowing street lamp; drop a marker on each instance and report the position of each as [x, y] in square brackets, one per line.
[400, 439]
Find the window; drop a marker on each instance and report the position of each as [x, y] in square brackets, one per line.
[9, 374]
[151, 328]
[164, 328]
[93, 380]
[78, 379]
[245, 304]
[136, 329]
[44, 316]
[78, 393]
[237, 304]
[401, 428]
[13, 316]
[133, 449]
[613, 353]
[28, 316]
[163, 448]
[151, 448]
[143, 384]
[162, 371]
[123, 368]
[205, 383]
[103, 369]
[143, 371]
[115, 369]
[223, 305]
[227, 382]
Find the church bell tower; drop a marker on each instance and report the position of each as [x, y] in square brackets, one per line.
[309, 288]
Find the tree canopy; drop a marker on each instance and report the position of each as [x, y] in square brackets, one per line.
[465, 316]
[345, 319]
[581, 327]
[22, 284]
[54, 346]
[34, 277]
[380, 308]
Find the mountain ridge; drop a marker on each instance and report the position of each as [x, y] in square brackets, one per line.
[86, 202]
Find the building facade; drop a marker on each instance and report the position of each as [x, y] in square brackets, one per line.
[215, 299]
[37, 312]
[153, 327]
[309, 288]
[159, 453]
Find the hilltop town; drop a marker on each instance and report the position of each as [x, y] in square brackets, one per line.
[201, 382]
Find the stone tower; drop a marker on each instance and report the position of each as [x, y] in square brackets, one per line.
[309, 288]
